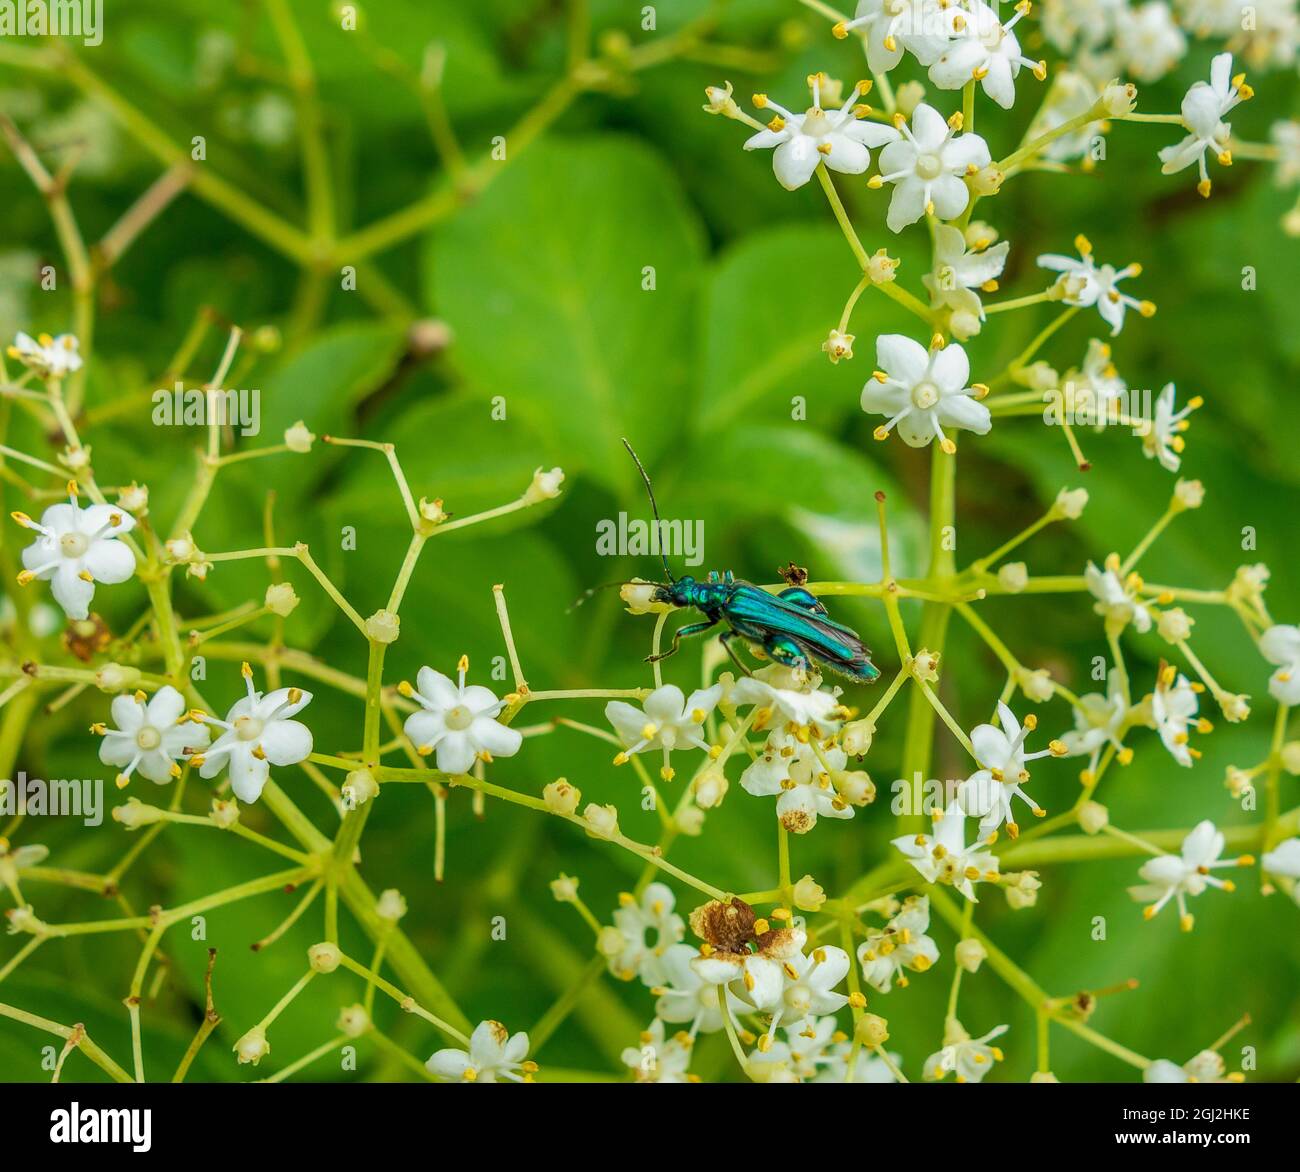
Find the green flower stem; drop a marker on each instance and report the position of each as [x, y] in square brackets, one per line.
[404, 1000]
[74, 1035]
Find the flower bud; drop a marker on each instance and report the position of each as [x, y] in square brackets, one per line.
[114, 677]
[690, 821]
[298, 439]
[1013, 577]
[980, 234]
[808, 894]
[1021, 888]
[1070, 503]
[323, 957]
[358, 788]
[986, 181]
[1043, 1076]
[383, 627]
[602, 821]
[223, 814]
[565, 889]
[1235, 707]
[881, 266]
[428, 336]
[856, 787]
[855, 739]
[135, 814]
[252, 1047]
[545, 486]
[907, 97]
[561, 797]
[432, 511]
[871, 1030]
[964, 324]
[1291, 757]
[970, 954]
[610, 941]
[1119, 99]
[1037, 685]
[353, 1021]
[281, 599]
[134, 498]
[1039, 376]
[1188, 494]
[838, 345]
[391, 905]
[1175, 624]
[720, 100]
[710, 788]
[925, 666]
[1093, 817]
[23, 919]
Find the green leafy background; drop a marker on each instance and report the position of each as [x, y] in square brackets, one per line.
[540, 278]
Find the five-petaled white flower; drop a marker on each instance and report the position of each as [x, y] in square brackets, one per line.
[809, 989]
[1203, 109]
[667, 720]
[969, 1058]
[686, 996]
[943, 857]
[802, 774]
[893, 25]
[657, 1059]
[1099, 720]
[1162, 439]
[774, 690]
[1088, 284]
[922, 391]
[926, 164]
[151, 737]
[76, 548]
[958, 272]
[839, 139]
[260, 732]
[644, 930]
[1118, 601]
[901, 945]
[48, 357]
[494, 1053]
[1284, 861]
[1175, 877]
[459, 723]
[987, 793]
[984, 50]
[1281, 645]
[1174, 704]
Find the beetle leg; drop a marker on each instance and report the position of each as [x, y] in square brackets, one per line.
[725, 639]
[684, 633]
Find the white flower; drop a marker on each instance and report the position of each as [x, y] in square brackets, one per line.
[76, 548]
[808, 1049]
[945, 858]
[151, 737]
[838, 139]
[1284, 861]
[1163, 440]
[646, 928]
[803, 775]
[1099, 378]
[1148, 40]
[902, 944]
[810, 987]
[545, 486]
[1088, 284]
[666, 720]
[686, 996]
[1117, 602]
[985, 50]
[1203, 110]
[1281, 645]
[48, 357]
[923, 391]
[926, 165]
[1079, 24]
[657, 1060]
[1207, 1066]
[987, 794]
[494, 1053]
[838, 345]
[758, 978]
[1174, 705]
[958, 272]
[1176, 877]
[1099, 721]
[260, 732]
[813, 709]
[1286, 137]
[458, 722]
[970, 1058]
[892, 25]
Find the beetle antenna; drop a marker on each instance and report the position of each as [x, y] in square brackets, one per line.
[590, 592]
[654, 507]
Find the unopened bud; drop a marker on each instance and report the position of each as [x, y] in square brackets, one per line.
[281, 599]
[561, 797]
[808, 894]
[323, 957]
[970, 954]
[383, 627]
[298, 439]
[1093, 817]
[871, 1030]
